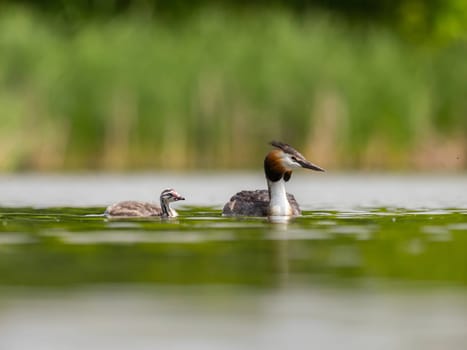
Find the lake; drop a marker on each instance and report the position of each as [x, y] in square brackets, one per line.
[375, 262]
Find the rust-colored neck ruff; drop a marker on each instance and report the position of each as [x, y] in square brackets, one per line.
[273, 167]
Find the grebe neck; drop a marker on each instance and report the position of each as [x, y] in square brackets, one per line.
[278, 202]
[166, 210]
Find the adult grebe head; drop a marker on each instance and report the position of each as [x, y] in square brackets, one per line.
[280, 162]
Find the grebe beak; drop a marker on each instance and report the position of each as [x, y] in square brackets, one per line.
[179, 198]
[308, 165]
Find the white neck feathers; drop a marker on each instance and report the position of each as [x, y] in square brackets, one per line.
[278, 202]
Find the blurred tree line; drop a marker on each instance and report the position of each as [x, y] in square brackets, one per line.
[417, 20]
[149, 84]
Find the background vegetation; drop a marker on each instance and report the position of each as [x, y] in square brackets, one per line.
[181, 85]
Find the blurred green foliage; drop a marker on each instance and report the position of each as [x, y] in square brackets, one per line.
[136, 91]
[414, 19]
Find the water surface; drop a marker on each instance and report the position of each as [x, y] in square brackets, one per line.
[374, 262]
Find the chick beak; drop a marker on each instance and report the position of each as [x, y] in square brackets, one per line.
[309, 165]
[179, 198]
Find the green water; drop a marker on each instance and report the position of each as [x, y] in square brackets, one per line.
[66, 247]
[379, 278]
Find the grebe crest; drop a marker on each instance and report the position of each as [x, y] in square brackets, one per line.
[278, 166]
[143, 209]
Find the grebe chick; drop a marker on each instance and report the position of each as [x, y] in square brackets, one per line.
[274, 201]
[143, 209]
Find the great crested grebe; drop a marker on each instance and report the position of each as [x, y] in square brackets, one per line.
[274, 201]
[143, 209]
